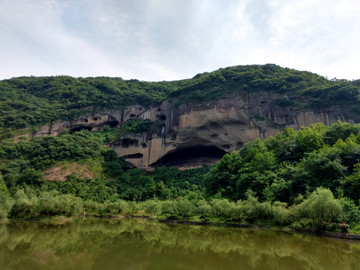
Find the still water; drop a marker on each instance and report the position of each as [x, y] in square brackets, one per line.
[141, 244]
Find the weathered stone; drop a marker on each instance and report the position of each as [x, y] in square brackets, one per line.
[197, 134]
[223, 124]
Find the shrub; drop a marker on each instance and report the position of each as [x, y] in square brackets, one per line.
[5, 200]
[320, 207]
[51, 203]
[24, 205]
[184, 209]
[203, 210]
[169, 209]
[152, 207]
[281, 214]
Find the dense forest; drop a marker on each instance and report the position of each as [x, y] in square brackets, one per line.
[29, 102]
[308, 178]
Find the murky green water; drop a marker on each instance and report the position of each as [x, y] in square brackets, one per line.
[140, 244]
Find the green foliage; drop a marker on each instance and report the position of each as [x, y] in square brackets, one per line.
[172, 183]
[25, 205]
[352, 184]
[253, 185]
[321, 207]
[223, 176]
[5, 200]
[45, 151]
[96, 190]
[29, 101]
[52, 203]
[135, 126]
[292, 163]
[28, 204]
[340, 130]
[351, 212]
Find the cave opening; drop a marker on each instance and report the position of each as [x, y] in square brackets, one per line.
[79, 128]
[126, 143]
[135, 156]
[113, 123]
[192, 156]
[161, 117]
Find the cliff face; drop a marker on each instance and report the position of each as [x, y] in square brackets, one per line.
[195, 134]
[198, 134]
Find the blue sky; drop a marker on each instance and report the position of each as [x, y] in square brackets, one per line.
[175, 39]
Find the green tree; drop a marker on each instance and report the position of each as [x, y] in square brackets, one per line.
[321, 207]
[5, 200]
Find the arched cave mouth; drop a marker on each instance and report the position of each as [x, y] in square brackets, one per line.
[79, 128]
[135, 156]
[191, 156]
[113, 123]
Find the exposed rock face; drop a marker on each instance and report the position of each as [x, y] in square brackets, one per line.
[201, 134]
[197, 134]
[93, 122]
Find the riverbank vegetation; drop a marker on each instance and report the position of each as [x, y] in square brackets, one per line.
[308, 179]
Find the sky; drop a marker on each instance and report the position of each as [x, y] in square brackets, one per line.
[155, 40]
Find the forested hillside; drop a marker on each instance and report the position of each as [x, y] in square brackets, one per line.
[306, 178]
[29, 102]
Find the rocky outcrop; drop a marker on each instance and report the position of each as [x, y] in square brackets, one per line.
[195, 134]
[92, 122]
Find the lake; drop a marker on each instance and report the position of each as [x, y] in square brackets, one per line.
[141, 244]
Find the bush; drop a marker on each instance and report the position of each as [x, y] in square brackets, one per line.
[184, 209]
[221, 208]
[152, 207]
[52, 204]
[169, 209]
[321, 207]
[351, 212]
[281, 214]
[5, 200]
[114, 208]
[25, 206]
[203, 210]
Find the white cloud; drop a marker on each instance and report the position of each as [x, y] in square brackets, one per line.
[165, 40]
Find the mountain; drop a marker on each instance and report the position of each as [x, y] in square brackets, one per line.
[185, 123]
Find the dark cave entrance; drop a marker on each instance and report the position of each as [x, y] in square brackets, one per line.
[135, 156]
[192, 156]
[79, 128]
[113, 123]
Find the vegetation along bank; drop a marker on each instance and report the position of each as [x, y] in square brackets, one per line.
[307, 178]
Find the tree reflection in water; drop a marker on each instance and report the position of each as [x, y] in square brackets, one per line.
[141, 244]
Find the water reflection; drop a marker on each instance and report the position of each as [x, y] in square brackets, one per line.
[141, 244]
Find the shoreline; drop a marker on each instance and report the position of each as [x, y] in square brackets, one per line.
[328, 234]
[61, 220]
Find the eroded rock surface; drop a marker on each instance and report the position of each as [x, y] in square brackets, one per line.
[196, 134]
